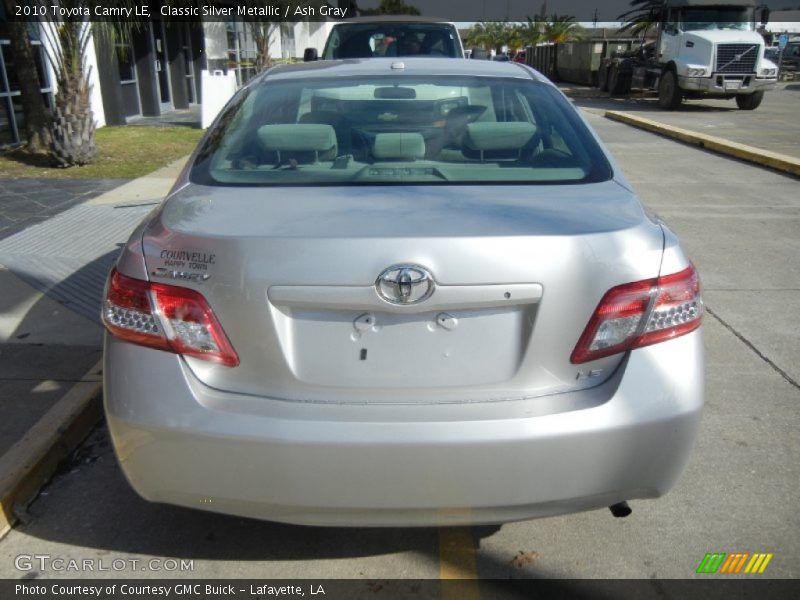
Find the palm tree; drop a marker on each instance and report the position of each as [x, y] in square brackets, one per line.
[515, 37]
[489, 35]
[532, 32]
[72, 124]
[66, 42]
[264, 30]
[641, 17]
[562, 29]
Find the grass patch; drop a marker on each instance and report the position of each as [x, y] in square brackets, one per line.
[122, 152]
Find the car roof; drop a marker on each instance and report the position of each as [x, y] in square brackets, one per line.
[415, 65]
[394, 19]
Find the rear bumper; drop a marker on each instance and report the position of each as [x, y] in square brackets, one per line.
[180, 442]
[717, 87]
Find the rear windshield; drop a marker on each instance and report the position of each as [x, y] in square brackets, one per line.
[399, 130]
[366, 40]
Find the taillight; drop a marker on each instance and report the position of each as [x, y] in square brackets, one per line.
[642, 313]
[166, 317]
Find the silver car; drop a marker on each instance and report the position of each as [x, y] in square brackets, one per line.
[395, 293]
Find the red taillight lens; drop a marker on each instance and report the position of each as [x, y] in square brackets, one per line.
[195, 330]
[183, 322]
[127, 313]
[642, 313]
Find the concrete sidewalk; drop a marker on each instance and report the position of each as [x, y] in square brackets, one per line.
[52, 275]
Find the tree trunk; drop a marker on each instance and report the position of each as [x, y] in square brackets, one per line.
[34, 110]
[73, 132]
[262, 35]
[73, 122]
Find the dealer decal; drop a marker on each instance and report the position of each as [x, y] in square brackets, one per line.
[185, 265]
[188, 259]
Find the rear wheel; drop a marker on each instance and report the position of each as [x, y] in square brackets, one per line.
[669, 94]
[602, 78]
[619, 82]
[750, 101]
[616, 81]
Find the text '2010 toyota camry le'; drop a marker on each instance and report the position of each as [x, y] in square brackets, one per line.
[391, 293]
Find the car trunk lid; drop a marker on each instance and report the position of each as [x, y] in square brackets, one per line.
[291, 274]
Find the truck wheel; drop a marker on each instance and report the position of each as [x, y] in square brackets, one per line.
[750, 101]
[602, 78]
[669, 94]
[626, 83]
[615, 80]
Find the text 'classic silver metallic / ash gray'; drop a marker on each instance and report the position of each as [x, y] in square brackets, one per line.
[402, 293]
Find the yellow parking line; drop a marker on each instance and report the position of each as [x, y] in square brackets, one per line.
[457, 567]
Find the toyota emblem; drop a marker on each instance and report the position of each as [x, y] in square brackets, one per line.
[404, 284]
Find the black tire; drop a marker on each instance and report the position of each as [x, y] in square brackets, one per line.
[615, 81]
[669, 94]
[602, 78]
[625, 83]
[750, 101]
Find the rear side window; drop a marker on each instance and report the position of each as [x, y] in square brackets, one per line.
[400, 130]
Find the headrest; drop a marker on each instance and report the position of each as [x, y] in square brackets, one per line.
[301, 137]
[399, 146]
[485, 136]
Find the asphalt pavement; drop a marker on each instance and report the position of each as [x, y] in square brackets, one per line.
[739, 225]
[773, 126]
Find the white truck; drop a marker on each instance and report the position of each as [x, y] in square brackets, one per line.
[705, 48]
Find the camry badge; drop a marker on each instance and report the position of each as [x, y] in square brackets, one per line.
[405, 284]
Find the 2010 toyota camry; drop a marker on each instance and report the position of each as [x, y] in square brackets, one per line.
[402, 293]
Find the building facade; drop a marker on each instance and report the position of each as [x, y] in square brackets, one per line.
[12, 120]
[155, 70]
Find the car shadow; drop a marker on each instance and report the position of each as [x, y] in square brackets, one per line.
[46, 349]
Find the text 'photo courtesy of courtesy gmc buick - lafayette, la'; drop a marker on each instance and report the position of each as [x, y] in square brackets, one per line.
[402, 292]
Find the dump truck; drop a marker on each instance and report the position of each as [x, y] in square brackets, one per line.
[704, 49]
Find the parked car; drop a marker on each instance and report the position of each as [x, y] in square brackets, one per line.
[387, 36]
[391, 294]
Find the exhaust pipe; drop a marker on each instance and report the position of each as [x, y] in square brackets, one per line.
[620, 509]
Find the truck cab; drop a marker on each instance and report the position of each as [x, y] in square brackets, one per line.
[708, 48]
[705, 48]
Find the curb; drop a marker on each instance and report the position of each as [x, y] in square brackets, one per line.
[758, 156]
[30, 463]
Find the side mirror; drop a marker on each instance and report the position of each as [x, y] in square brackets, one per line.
[765, 16]
[310, 55]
